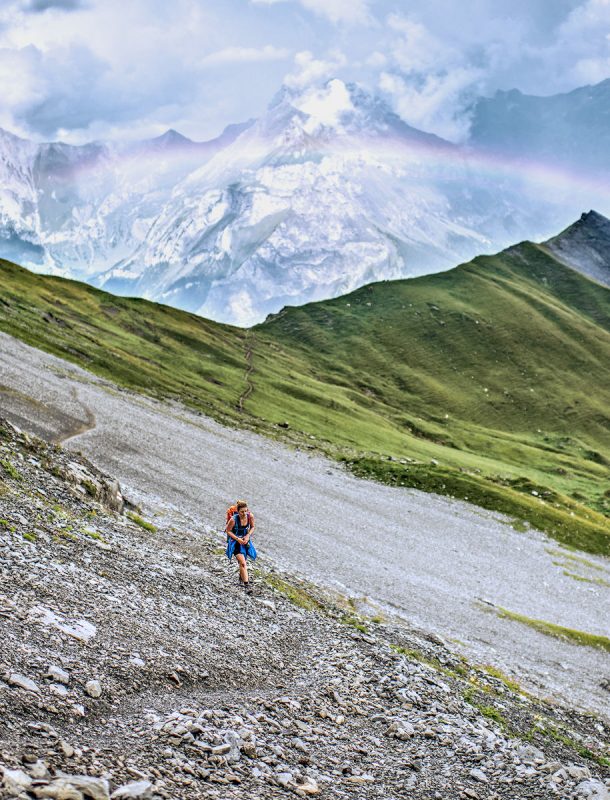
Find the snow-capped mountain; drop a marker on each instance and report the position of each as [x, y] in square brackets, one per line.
[76, 211]
[328, 190]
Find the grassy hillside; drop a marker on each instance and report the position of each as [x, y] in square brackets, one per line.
[488, 382]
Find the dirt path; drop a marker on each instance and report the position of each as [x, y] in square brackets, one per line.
[250, 340]
[428, 557]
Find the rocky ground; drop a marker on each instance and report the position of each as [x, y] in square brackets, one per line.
[133, 665]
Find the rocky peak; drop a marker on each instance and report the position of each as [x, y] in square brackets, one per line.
[585, 246]
[340, 108]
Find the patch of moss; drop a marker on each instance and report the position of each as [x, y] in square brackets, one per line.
[582, 579]
[497, 673]
[574, 558]
[10, 470]
[558, 735]
[454, 671]
[491, 712]
[558, 631]
[297, 595]
[94, 535]
[90, 488]
[148, 526]
[354, 622]
[29, 537]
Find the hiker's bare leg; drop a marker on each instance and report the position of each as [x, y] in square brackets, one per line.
[243, 569]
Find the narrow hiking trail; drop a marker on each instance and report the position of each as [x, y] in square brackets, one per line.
[250, 341]
[429, 558]
[88, 424]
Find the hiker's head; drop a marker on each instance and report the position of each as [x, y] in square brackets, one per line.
[242, 505]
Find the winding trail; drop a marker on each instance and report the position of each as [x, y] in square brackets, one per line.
[428, 558]
[88, 424]
[250, 340]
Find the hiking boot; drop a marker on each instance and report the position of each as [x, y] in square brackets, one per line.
[248, 588]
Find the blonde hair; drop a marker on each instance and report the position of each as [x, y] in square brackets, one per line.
[241, 504]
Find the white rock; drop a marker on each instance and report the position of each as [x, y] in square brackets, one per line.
[16, 679]
[72, 787]
[578, 773]
[400, 729]
[58, 674]
[15, 781]
[139, 789]
[479, 775]
[309, 787]
[593, 789]
[93, 688]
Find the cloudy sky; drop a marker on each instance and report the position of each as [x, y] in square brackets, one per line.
[84, 69]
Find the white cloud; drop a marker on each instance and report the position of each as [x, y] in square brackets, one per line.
[583, 42]
[436, 104]
[230, 55]
[309, 69]
[429, 81]
[351, 12]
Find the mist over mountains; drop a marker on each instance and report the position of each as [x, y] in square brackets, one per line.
[325, 192]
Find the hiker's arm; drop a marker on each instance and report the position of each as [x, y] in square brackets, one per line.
[229, 528]
[249, 534]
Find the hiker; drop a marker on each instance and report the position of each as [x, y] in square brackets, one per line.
[240, 525]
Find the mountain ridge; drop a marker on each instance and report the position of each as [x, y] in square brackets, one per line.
[585, 246]
[328, 190]
[431, 369]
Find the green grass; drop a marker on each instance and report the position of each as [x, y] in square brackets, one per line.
[486, 382]
[558, 631]
[576, 559]
[148, 526]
